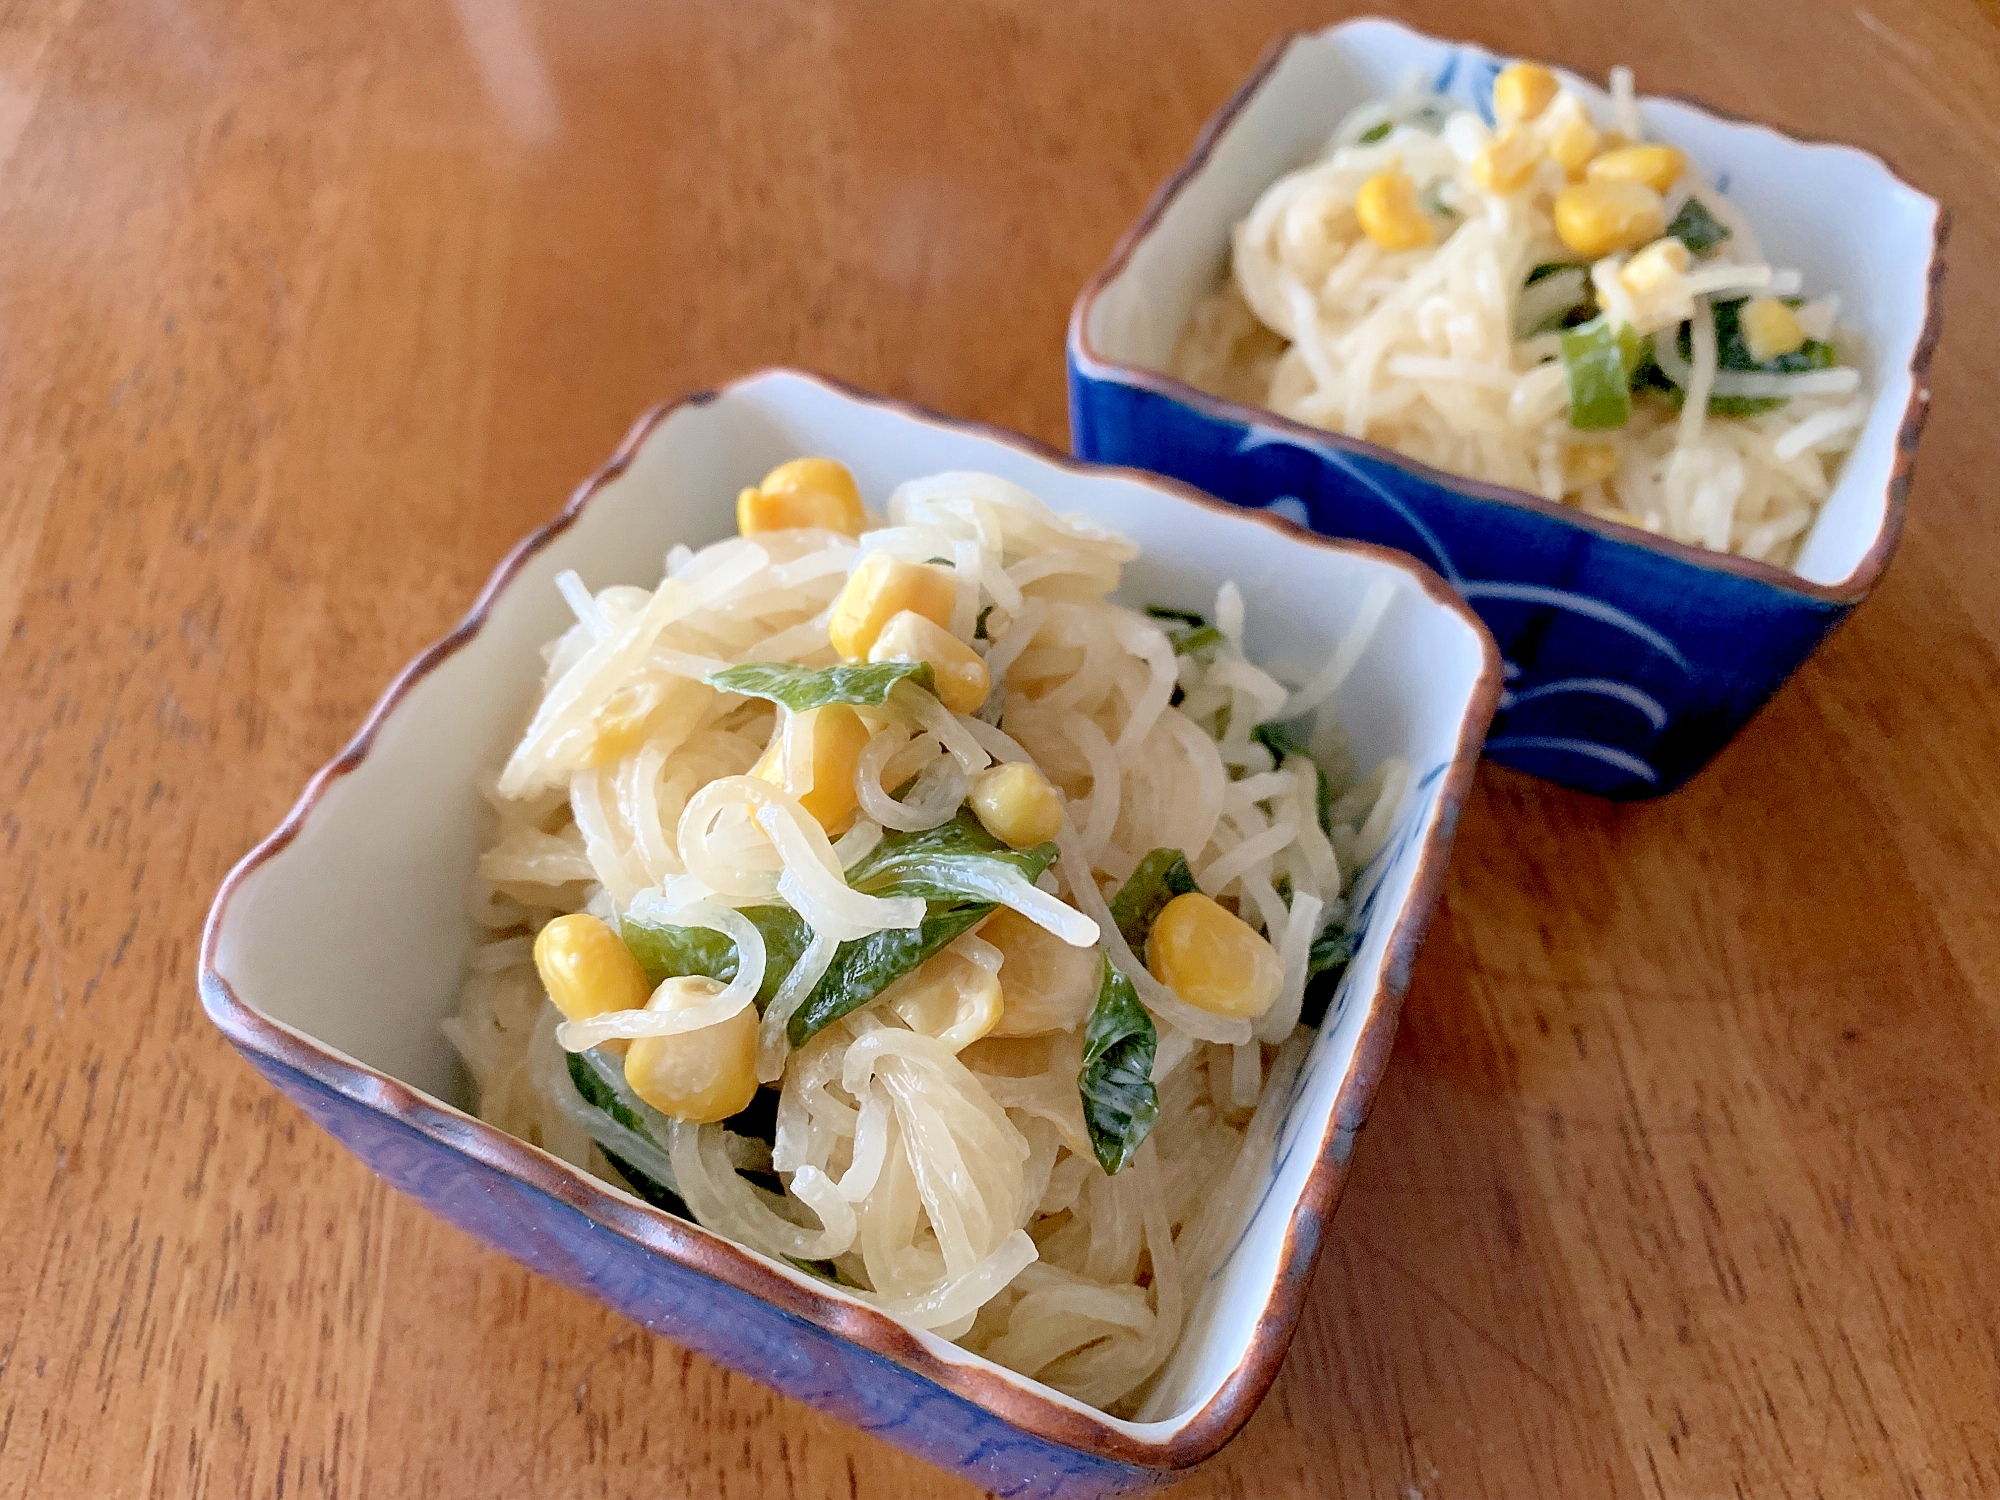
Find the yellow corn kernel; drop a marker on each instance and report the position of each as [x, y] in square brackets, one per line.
[1213, 959]
[949, 997]
[804, 492]
[881, 587]
[703, 1075]
[587, 969]
[1770, 328]
[1596, 219]
[813, 756]
[1522, 91]
[1657, 167]
[1505, 163]
[1016, 804]
[616, 736]
[962, 679]
[1045, 984]
[1389, 214]
[1655, 268]
[619, 726]
[1572, 146]
[1587, 464]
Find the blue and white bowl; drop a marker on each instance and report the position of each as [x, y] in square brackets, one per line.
[337, 945]
[1630, 660]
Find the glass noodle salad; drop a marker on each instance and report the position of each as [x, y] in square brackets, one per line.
[892, 902]
[1550, 302]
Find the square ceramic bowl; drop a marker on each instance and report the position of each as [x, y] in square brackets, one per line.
[1630, 659]
[337, 945]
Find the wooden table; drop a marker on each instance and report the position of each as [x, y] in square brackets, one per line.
[1685, 1179]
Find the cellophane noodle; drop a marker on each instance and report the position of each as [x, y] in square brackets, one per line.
[1446, 352]
[948, 1180]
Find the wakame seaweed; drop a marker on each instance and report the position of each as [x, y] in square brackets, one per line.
[1120, 1102]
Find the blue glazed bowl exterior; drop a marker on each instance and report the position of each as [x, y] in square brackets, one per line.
[728, 1325]
[1627, 667]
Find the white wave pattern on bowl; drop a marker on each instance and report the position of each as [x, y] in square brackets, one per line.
[1293, 509]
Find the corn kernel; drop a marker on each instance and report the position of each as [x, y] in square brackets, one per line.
[1655, 268]
[1572, 146]
[949, 997]
[619, 726]
[881, 587]
[1016, 804]
[1505, 163]
[1213, 959]
[1045, 984]
[1770, 328]
[587, 969]
[703, 1075]
[614, 737]
[1586, 464]
[804, 492]
[1521, 91]
[1387, 207]
[813, 756]
[962, 679]
[1596, 219]
[1657, 167]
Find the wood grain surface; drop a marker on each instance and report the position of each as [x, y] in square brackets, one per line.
[1685, 1177]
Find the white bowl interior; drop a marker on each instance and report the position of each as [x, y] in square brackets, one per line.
[355, 934]
[1835, 213]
